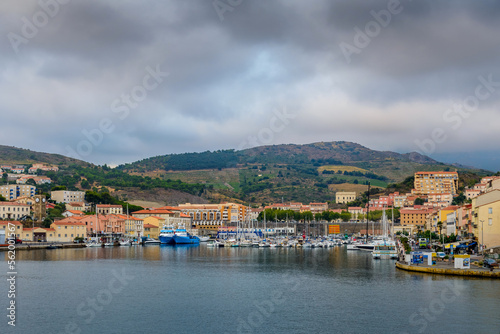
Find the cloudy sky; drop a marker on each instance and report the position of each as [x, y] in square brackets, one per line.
[117, 81]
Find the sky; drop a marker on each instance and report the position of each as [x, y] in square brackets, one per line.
[118, 81]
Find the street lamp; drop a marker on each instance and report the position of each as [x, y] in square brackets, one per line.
[482, 237]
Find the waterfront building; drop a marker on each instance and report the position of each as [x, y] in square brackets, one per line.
[66, 196]
[13, 211]
[42, 234]
[4, 225]
[345, 197]
[66, 231]
[134, 227]
[212, 216]
[173, 216]
[486, 218]
[14, 191]
[151, 231]
[109, 209]
[435, 182]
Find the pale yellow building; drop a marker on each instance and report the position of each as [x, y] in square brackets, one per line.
[486, 218]
[68, 231]
[13, 211]
[435, 182]
[109, 209]
[345, 197]
[151, 231]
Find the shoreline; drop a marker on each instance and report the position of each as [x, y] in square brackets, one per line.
[479, 272]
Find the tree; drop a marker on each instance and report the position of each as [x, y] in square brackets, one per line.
[31, 182]
[459, 200]
[2, 199]
[345, 216]
[56, 188]
[419, 201]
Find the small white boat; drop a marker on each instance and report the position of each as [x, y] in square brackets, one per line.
[109, 244]
[203, 239]
[93, 244]
[125, 243]
[150, 241]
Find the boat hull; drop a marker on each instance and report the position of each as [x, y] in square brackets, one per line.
[183, 240]
[167, 240]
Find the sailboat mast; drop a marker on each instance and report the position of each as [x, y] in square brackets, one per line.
[368, 212]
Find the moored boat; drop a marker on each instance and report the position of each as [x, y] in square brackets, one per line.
[167, 235]
[181, 236]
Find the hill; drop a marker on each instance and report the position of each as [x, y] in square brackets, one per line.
[13, 155]
[311, 172]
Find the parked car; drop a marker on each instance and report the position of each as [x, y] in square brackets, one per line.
[490, 263]
[17, 241]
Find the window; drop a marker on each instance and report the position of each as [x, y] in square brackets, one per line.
[490, 221]
[490, 210]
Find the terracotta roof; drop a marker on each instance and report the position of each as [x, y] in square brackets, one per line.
[150, 226]
[171, 208]
[76, 212]
[5, 222]
[153, 212]
[441, 172]
[108, 206]
[13, 203]
[68, 223]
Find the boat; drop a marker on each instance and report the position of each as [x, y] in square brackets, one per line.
[366, 247]
[181, 237]
[204, 239]
[167, 235]
[93, 244]
[109, 244]
[125, 243]
[385, 249]
[150, 241]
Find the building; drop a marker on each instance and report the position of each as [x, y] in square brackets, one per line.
[472, 193]
[37, 179]
[13, 191]
[13, 211]
[66, 196]
[67, 231]
[441, 199]
[435, 182]
[486, 218]
[345, 197]
[134, 227]
[151, 231]
[43, 167]
[79, 206]
[41, 234]
[109, 209]
[7, 225]
[355, 211]
[414, 217]
[318, 207]
[213, 216]
[72, 213]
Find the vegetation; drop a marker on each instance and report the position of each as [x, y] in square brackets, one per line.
[105, 198]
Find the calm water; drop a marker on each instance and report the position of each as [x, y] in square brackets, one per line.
[167, 289]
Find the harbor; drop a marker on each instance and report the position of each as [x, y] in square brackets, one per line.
[241, 290]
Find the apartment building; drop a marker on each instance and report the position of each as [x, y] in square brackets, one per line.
[13, 191]
[486, 218]
[66, 196]
[435, 182]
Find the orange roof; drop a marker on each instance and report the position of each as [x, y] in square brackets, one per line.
[68, 223]
[171, 208]
[183, 215]
[154, 211]
[108, 206]
[5, 222]
[451, 207]
[76, 212]
[150, 226]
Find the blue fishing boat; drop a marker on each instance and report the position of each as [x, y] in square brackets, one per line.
[167, 235]
[181, 236]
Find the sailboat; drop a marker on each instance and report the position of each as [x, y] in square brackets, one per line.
[385, 248]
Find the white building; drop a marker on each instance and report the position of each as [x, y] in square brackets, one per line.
[66, 196]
